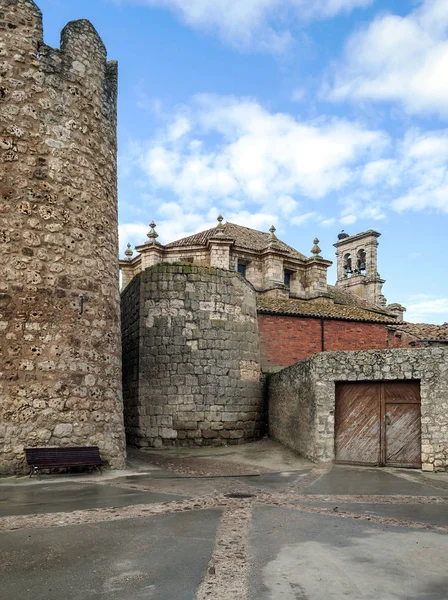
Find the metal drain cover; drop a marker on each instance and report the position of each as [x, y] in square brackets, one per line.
[239, 495]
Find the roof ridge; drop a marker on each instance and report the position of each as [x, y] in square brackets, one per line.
[303, 307]
[244, 237]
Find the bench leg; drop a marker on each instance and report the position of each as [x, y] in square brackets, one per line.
[34, 471]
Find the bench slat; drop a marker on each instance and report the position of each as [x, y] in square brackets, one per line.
[83, 456]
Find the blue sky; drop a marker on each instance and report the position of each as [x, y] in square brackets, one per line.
[314, 116]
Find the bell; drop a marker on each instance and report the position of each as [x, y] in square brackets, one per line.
[362, 266]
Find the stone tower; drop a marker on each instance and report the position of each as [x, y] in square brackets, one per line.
[357, 265]
[191, 358]
[59, 287]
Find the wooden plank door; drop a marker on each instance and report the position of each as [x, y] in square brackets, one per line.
[357, 423]
[401, 428]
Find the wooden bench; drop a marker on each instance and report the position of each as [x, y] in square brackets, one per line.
[49, 458]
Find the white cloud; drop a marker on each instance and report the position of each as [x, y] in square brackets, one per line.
[428, 311]
[287, 205]
[263, 24]
[257, 220]
[174, 222]
[348, 219]
[423, 161]
[232, 151]
[301, 219]
[395, 58]
[132, 233]
[377, 171]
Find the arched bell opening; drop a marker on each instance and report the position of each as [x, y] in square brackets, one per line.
[361, 262]
[348, 270]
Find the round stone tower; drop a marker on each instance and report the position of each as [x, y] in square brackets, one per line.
[59, 287]
[191, 364]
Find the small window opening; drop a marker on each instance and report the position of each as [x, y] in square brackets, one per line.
[287, 278]
[242, 269]
[38, 51]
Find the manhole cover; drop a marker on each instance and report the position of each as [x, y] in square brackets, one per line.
[239, 495]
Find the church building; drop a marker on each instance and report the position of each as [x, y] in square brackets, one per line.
[298, 312]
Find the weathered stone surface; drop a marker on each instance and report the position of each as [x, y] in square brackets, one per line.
[190, 357]
[302, 398]
[61, 362]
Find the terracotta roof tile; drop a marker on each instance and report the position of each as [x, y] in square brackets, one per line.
[349, 312]
[424, 331]
[244, 237]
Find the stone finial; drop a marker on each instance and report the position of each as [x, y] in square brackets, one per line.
[128, 252]
[220, 227]
[272, 235]
[152, 234]
[315, 250]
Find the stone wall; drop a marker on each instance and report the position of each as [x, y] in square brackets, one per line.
[304, 394]
[198, 366]
[130, 327]
[61, 359]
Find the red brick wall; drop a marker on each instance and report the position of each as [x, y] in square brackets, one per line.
[286, 340]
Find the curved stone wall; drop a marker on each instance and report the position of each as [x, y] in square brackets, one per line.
[191, 373]
[59, 290]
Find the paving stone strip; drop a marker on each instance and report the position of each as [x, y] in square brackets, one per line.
[228, 569]
[98, 515]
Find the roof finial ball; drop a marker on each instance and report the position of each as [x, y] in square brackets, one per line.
[272, 235]
[128, 252]
[152, 234]
[315, 250]
[220, 219]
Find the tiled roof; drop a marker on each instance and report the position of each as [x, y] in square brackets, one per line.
[424, 331]
[307, 308]
[251, 239]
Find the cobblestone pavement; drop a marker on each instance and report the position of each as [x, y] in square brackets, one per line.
[252, 529]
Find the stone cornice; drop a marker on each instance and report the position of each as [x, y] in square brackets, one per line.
[357, 236]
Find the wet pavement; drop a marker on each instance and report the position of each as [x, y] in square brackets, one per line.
[318, 557]
[215, 530]
[159, 557]
[66, 497]
[369, 482]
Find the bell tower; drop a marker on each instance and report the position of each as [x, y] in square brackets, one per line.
[357, 263]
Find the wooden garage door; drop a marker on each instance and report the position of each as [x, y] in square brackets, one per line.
[402, 430]
[378, 423]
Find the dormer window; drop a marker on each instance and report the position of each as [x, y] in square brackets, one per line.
[242, 269]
